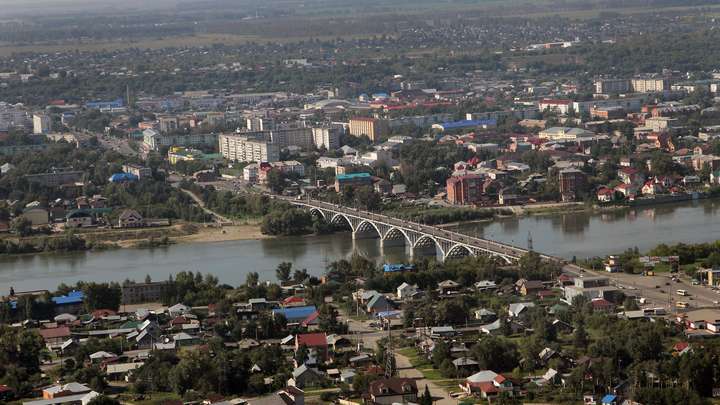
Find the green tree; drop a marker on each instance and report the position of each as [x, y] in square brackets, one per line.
[283, 272]
[21, 226]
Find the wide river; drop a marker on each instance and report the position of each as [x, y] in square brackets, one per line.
[568, 235]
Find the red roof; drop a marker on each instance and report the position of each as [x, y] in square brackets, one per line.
[487, 387]
[53, 333]
[601, 303]
[99, 313]
[311, 319]
[680, 346]
[293, 300]
[5, 388]
[500, 379]
[312, 339]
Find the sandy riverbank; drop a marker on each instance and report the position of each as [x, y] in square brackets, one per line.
[226, 233]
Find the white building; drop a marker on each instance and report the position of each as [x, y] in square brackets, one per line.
[41, 124]
[566, 134]
[326, 137]
[245, 148]
[153, 140]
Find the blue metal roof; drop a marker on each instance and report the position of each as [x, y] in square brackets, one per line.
[120, 177]
[391, 268]
[351, 176]
[609, 398]
[296, 313]
[73, 297]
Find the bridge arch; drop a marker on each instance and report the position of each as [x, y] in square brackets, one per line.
[458, 251]
[342, 220]
[368, 228]
[427, 241]
[318, 213]
[395, 233]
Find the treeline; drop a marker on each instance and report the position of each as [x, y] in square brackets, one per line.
[436, 216]
[66, 243]
[707, 253]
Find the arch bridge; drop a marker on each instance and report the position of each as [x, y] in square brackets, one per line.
[418, 237]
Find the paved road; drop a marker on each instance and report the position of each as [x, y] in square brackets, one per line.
[405, 369]
[659, 290]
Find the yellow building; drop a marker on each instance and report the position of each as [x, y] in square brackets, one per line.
[374, 128]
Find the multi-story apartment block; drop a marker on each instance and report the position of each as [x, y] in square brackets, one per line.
[326, 137]
[374, 128]
[248, 148]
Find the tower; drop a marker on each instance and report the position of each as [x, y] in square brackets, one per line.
[530, 242]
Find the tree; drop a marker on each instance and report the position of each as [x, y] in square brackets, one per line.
[102, 296]
[426, 398]
[580, 339]
[252, 279]
[21, 226]
[282, 272]
[103, 400]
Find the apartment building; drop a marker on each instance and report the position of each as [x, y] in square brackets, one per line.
[248, 148]
[138, 293]
[326, 137]
[465, 189]
[153, 140]
[374, 128]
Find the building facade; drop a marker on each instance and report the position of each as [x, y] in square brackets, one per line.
[466, 189]
[326, 137]
[372, 127]
[246, 148]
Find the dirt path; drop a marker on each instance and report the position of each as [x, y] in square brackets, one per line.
[405, 369]
[201, 204]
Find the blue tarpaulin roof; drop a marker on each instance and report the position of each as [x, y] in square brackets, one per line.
[296, 313]
[73, 297]
[608, 399]
[390, 268]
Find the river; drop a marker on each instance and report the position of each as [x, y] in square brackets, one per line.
[579, 234]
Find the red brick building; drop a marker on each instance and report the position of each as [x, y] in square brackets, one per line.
[465, 189]
[571, 181]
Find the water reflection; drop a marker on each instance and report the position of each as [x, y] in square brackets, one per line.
[567, 235]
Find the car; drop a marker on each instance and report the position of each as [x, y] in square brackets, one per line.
[695, 282]
[716, 302]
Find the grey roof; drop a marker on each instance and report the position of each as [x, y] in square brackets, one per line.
[86, 397]
[464, 361]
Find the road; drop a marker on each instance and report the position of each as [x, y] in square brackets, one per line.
[405, 369]
[659, 290]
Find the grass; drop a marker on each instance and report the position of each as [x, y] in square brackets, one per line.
[151, 398]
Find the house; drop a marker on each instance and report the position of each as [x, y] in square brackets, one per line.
[313, 341]
[338, 343]
[386, 391]
[178, 310]
[130, 219]
[379, 303]
[57, 391]
[54, 337]
[406, 291]
[295, 315]
[605, 194]
[517, 309]
[80, 218]
[119, 372]
[528, 287]
[487, 384]
[183, 339]
[465, 365]
[448, 287]
[289, 396]
[305, 376]
[99, 357]
[485, 285]
[602, 305]
[485, 315]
